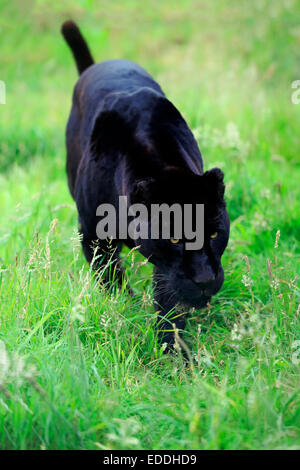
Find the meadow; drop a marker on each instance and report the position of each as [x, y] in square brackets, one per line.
[80, 367]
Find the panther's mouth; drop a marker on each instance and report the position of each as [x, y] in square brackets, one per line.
[196, 301]
[192, 296]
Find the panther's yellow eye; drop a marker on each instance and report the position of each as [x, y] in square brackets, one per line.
[214, 235]
[174, 240]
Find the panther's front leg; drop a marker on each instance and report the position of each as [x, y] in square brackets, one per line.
[165, 302]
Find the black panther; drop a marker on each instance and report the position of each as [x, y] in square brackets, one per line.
[124, 137]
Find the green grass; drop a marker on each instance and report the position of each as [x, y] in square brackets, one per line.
[80, 367]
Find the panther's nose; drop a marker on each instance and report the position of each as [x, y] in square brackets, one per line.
[203, 273]
[204, 279]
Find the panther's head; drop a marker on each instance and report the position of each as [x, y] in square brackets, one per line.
[191, 275]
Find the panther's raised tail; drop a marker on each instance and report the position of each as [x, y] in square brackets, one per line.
[78, 45]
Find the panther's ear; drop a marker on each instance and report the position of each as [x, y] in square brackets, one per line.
[110, 133]
[142, 191]
[214, 182]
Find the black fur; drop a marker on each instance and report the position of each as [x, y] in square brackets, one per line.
[124, 137]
